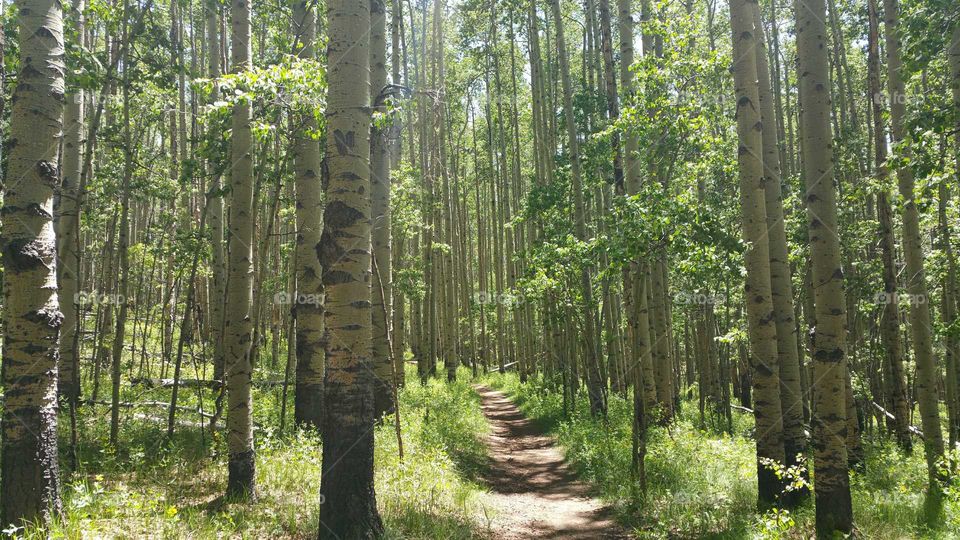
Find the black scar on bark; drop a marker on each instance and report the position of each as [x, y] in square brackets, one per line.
[351, 176]
[336, 277]
[49, 172]
[834, 356]
[763, 369]
[328, 251]
[24, 254]
[35, 209]
[30, 72]
[340, 215]
[344, 141]
[43, 32]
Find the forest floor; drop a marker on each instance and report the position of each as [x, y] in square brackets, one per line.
[533, 492]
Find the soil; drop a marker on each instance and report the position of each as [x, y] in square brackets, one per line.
[533, 492]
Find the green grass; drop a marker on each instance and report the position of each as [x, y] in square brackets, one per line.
[147, 487]
[702, 483]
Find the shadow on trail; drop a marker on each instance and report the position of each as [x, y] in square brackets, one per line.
[534, 492]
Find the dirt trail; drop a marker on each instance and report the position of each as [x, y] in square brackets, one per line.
[534, 494]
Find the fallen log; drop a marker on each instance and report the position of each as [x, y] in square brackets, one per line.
[913, 429]
[506, 367]
[160, 404]
[149, 382]
[168, 383]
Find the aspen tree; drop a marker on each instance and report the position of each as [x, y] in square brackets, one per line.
[595, 386]
[349, 508]
[446, 326]
[952, 302]
[380, 195]
[30, 475]
[834, 510]
[791, 401]
[890, 318]
[308, 398]
[920, 320]
[238, 324]
[218, 285]
[758, 296]
[123, 237]
[68, 225]
[398, 60]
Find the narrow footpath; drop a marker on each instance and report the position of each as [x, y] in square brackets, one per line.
[533, 492]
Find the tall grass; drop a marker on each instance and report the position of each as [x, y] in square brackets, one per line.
[149, 488]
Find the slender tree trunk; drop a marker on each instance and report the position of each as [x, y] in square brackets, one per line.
[380, 195]
[239, 310]
[834, 510]
[890, 323]
[920, 320]
[949, 313]
[642, 286]
[595, 386]
[791, 400]
[398, 60]
[123, 238]
[308, 301]
[186, 332]
[215, 218]
[952, 305]
[758, 295]
[68, 227]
